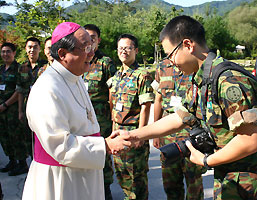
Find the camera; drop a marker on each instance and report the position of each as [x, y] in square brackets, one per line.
[200, 138]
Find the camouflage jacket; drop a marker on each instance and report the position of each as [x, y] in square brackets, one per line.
[8, 81]
[42, 69]
[101, 70]
[28, 76]
[129, 91]
[236, 93]
[172, 84]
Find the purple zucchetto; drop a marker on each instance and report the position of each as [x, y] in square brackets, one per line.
[63, 30]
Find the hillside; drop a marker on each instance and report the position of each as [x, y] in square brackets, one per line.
[5, 18]
[221, 6]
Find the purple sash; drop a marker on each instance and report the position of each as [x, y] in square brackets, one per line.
[41, 156]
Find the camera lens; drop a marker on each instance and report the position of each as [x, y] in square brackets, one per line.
[175, 151]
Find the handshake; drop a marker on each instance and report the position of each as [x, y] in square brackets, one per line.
[119, 141]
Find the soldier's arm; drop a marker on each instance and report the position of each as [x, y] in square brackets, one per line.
[144, 114]
[20, 106]
[165, 126]
[12, 99]
[242, 145]
[158, 111]
[9, 101]
[242, 122]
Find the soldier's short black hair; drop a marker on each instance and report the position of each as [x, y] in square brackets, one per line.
[33, 39]
[9, 44]
[183, 27]
[129, 36]
[93, 27]
[49, 38]
[68, 42]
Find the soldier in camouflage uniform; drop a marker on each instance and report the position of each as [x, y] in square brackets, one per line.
[28, 74]
[100, 73]
[171, 86]
[47, 51]
[10, 138]
[132, 95]
[232, 121]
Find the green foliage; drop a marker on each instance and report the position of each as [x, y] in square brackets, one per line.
[38, 19]
[116, 19]
[143, 18]
[218, 35]
[243, 25]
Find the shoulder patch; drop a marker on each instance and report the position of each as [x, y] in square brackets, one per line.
[233, 93]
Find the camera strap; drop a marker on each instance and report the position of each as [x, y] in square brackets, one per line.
[206, 81]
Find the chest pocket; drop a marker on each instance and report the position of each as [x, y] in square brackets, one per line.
[129, 93]
[94, 81]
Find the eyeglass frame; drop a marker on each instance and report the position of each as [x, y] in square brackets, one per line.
[172, 52]
[92, 48]
[130, 48]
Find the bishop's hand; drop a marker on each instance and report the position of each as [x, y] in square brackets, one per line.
[116, 143]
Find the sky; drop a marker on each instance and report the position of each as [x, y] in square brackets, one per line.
[185, 3]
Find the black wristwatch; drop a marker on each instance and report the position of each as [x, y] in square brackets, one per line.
[205, 162]
[5, 105]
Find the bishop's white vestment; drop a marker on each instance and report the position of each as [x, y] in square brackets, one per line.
[58, 110]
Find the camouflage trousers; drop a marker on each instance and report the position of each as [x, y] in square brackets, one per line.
[235, 185]
[174, 174]
[131, 169]
[106, 130]
[12, 140]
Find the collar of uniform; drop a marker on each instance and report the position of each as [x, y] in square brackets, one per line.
[198, 78]
[39, 63]
[98, 55]
[13, 64]
[131, 68]
[66, 74]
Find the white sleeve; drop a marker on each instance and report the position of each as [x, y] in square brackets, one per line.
[60, 129]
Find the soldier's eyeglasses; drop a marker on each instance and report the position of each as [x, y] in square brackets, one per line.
[170, 54]
[127, 49]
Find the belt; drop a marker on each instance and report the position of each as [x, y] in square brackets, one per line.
[41, 156]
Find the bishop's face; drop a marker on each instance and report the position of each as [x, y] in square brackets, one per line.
[78, 60]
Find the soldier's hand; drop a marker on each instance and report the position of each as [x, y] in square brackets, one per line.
[138, 144]
[2, 108]
[196, 156]
[21, 117]
[156, 143]
[118, 143]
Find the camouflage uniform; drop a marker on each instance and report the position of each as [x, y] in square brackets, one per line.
[101, 70]
[236, 92]
[172, 83]
[10, 137]
[26, 78]
[131, 89]
[42, 69]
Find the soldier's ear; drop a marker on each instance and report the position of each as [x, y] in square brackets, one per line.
[99, 40]
[136, 49]
[188, 44]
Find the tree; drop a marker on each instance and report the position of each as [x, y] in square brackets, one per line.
[242, 22]
[38, 19]
[218, 35]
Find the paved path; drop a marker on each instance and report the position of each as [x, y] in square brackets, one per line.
[13, 186]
